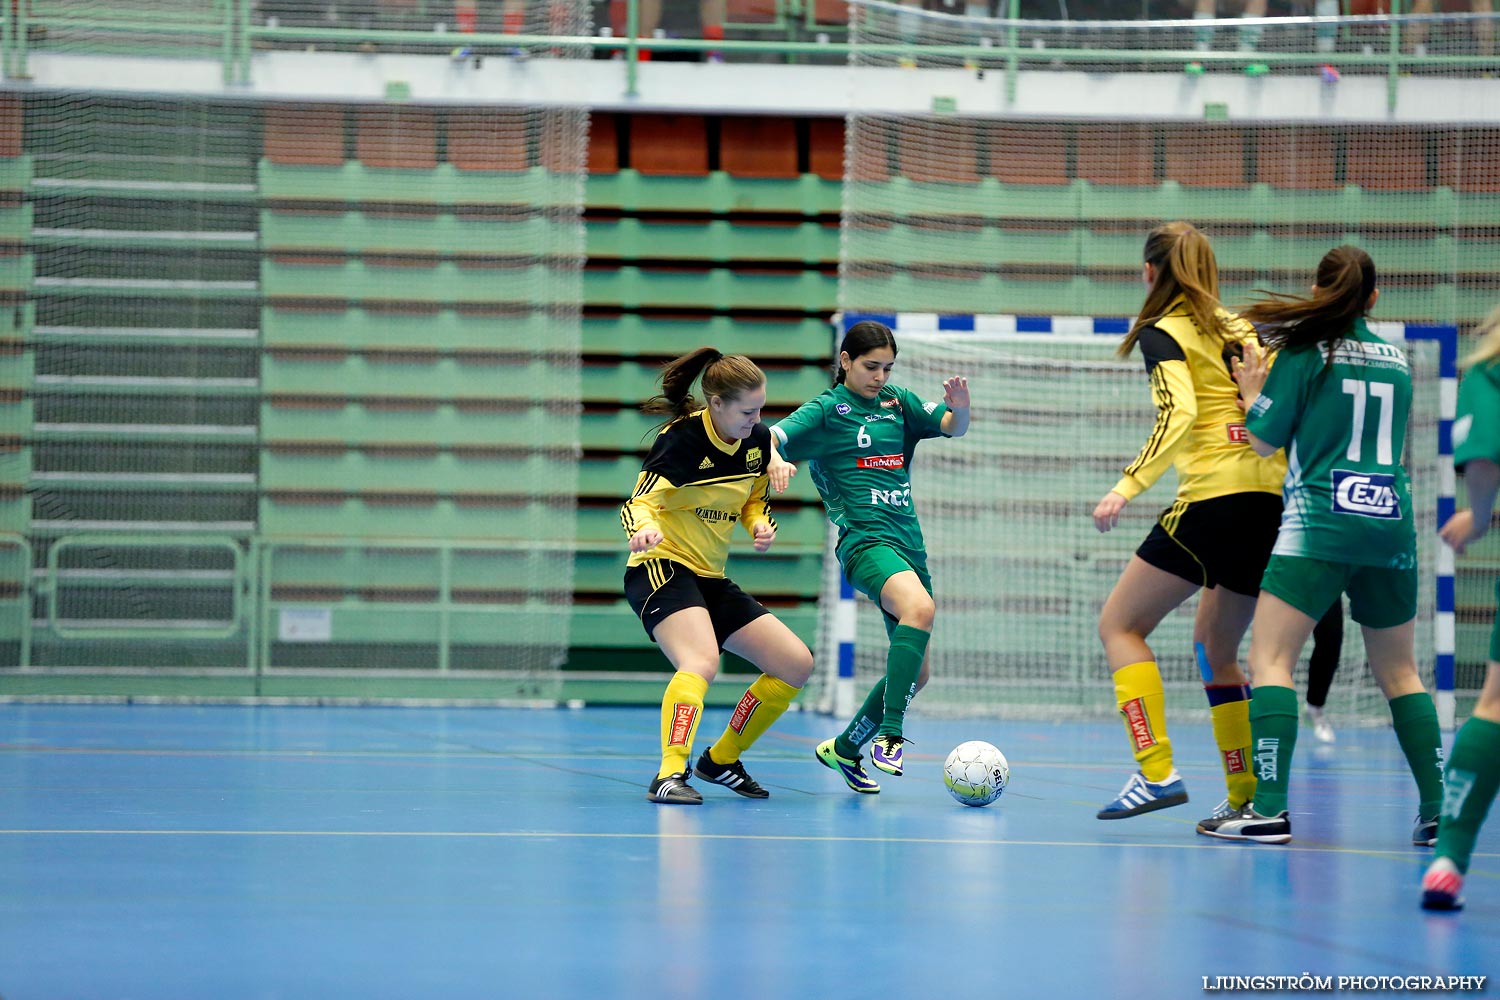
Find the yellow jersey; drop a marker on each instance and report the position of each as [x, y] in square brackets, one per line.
[1199, 427]
[694, 487]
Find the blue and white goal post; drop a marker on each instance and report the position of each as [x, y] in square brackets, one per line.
[839, 621]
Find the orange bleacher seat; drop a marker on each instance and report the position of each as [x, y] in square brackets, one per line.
[940, 151]
[758, 147]
[752, 11]
[1028, 154]
[825, 147]
[403, 137]
[304, 135]
[1211, 156]
[1467, 158]
[1117, 154]
[604, 144]
[669, 145]
[830, 11]
[482, 139]
[1295, 157]
[10, 125]
[1387, 159]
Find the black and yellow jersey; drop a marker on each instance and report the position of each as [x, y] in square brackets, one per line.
[693, 487]
[1199, 427]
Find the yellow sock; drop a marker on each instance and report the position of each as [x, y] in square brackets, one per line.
[681, 708]
[761, 705]
[1143, 705]
[1229, 704]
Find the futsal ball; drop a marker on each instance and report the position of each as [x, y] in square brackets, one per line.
[976, 773]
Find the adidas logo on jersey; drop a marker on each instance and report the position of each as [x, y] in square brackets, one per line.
[707, 463]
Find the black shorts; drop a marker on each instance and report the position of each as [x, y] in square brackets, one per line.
[659, 587]
[1225, 541]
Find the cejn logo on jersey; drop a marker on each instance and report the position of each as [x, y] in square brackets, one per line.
[880, 462]
[1367, 494]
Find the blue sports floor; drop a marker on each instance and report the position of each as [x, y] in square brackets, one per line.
[217, 853]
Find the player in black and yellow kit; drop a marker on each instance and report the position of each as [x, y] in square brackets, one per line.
[1217, 534]
[705, 472]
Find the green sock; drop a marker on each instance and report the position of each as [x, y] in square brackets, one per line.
[1421, 740]
[1468, 789]
[864, 724]
[902, 665]
[1273, 737]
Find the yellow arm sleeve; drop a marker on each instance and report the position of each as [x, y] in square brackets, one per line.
[639, 511]
[757, 509]
[1176, 410]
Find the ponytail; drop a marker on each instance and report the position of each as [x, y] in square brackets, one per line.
[1185, 269]
[1488, 336]
[1345, 282]
[727, 376]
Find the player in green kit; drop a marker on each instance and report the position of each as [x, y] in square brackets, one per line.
[1337, 399]
[858, 439]
[1473, 774]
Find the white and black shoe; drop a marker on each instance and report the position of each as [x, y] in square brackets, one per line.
[1247, 824]
[1424, 832]
[732, 776]
[673, 790]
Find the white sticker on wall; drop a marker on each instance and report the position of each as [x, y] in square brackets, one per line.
[305, 625]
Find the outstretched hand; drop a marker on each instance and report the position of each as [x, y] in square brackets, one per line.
[956, 392]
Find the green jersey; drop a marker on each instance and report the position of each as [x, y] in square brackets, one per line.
[859, 452]
[1476, 429]
[1343, 426]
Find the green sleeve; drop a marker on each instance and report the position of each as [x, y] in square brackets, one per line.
[1476, 428]
[1275, 413]
[798, 435]
[924, 419]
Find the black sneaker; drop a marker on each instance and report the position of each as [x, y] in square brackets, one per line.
[1424, 832]
[673, 790]
[1246, 824]
[732, 776]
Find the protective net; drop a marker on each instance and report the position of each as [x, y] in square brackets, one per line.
[1020, 572]
[296, 385]
[1048, 151]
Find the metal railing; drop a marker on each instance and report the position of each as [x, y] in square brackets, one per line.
[228, 28]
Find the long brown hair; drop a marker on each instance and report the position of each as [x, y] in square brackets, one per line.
[727, 376]
[1185, 269]
[1345, 282]
[1488, 336]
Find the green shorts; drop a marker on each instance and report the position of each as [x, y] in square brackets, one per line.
[1378, 597]
[868, 568]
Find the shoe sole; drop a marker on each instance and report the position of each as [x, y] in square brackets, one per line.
[1256, 838]
[1441, 901]
[755, 793]
[840, 771]
[684, 801]
[1165, 802]
[893, 772]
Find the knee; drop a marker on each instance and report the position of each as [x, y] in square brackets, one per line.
[798, 668]
[704, 667]
[920, 614]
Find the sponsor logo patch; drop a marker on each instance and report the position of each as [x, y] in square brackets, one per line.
[709, 514]
[1138, 724]
[841, 409]
[880, 462]
[928, 407]
[707, 463]
[1267, 758]
[1461, 428]
[1234, 761]
[1238, 433]
[752, 459]
[682, 724]
[891, 404]
[742, 712]
[1367, 494]
[892, 498]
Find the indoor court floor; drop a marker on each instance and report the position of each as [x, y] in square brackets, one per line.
[154, 852]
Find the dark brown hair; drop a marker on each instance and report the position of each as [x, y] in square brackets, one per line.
[727, 376]
[1186, 269]
[1345, 282]
[863, 337]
